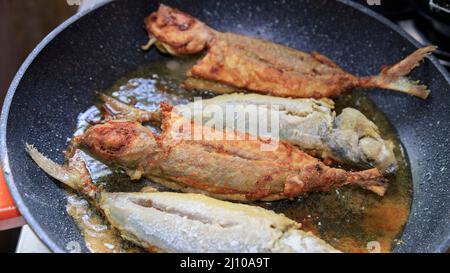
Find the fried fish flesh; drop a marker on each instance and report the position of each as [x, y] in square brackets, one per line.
[236, 62]
[224, 164]
[186, 222]
[310, 124]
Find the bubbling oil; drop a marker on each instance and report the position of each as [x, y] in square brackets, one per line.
[350, 219]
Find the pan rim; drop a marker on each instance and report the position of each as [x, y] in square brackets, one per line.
[36, 227]
[445, 245]
[4, 158]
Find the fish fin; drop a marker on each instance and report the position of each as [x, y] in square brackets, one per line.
[149, 189]
[74, 175]
[151, 41]
[193, 83]
[394, 77]
[50, 167]
[324, 59]
[371, 180]
[120, 110]
[170, 119]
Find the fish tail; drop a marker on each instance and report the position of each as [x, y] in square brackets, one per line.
[120, 110]
[371, 180]
[394, 77]
[151, 41]
[75, 175]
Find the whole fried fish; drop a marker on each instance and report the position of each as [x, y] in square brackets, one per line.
[224, 164]
[235, 62]
[183, 222]
[310, 124]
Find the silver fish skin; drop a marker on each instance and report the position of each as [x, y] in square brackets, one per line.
[310, 124]
[186, 222]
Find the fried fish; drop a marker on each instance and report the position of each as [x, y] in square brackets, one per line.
[310, 124]
[224, 164]
[234, 62]
[184, 222]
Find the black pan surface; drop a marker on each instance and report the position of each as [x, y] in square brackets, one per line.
[93, 49]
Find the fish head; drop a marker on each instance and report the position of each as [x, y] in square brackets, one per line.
[176, 32]
[357, 141]
[125, 144]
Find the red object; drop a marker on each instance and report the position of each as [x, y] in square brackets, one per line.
[9, 214]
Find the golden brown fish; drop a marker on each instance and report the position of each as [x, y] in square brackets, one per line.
[309, 124]
[183, 222]
[235, 62]
[223, 164]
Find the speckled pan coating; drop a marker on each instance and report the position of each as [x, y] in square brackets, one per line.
[91, 50]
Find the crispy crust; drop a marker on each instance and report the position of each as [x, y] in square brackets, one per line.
[238, 62]
[273, 74]
[180, 33]
[226, 164]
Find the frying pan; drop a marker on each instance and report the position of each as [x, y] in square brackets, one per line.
[93, 49]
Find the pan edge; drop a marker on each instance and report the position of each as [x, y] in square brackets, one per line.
[35, 226]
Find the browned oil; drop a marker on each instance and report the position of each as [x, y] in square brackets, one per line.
[350, 219]
[98, 235]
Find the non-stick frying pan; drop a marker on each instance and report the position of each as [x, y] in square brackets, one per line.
[93, 49]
